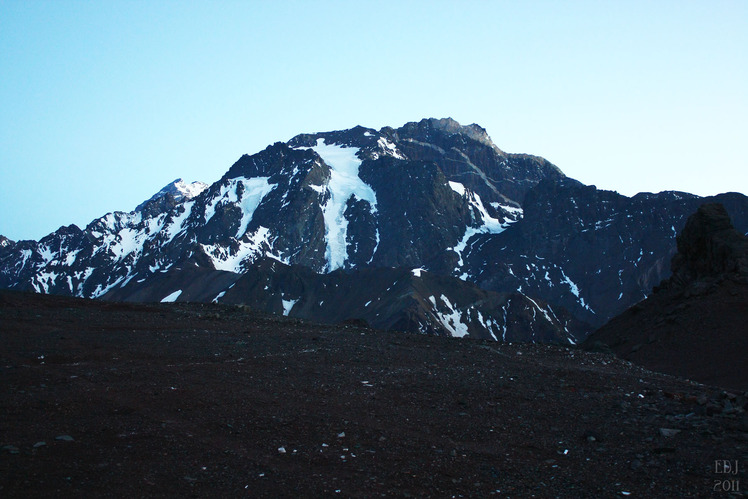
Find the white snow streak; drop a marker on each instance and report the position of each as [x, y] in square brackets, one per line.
[542, 310]
[343, 184]
[177, 223]
[255, 189]
[219, 296]
[575, 291]
[489, 224]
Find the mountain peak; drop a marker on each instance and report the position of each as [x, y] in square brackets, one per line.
[450, 126]
[179, 189]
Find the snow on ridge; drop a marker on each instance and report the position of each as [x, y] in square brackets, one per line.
[126, 233]
[344, 183]
[457, 187]
[179, 189]
[189, 191]
[516, 211]
[389, 148]
[252, 246]
[254, 191]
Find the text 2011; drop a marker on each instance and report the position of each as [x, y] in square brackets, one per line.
[725, 467]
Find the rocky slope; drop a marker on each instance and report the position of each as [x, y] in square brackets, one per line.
[430, 195]
[591, 251]
[694, 324]
[390, 299]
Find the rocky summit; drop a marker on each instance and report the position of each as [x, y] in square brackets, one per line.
[541, 256]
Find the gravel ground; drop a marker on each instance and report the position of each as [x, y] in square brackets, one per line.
[123, 400]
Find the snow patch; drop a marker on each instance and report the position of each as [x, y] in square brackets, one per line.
[47, 254]
[171, 297]
[452, 321]
[457, 187]
[288, 305]
[250, 248]
[389, 148]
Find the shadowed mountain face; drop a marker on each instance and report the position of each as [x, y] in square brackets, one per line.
[432, 195]
[384, 298]
[694, 324]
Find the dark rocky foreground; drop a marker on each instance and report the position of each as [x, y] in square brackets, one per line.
[108, 399]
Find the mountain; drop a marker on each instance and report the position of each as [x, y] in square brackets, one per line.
[693, 324]
[358, 203]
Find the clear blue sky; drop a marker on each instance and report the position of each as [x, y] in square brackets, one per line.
[103, 103]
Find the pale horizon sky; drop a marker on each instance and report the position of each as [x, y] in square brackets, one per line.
[104, 103]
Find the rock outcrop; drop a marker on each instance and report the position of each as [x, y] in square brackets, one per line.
[694, 324]
[709, 249]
